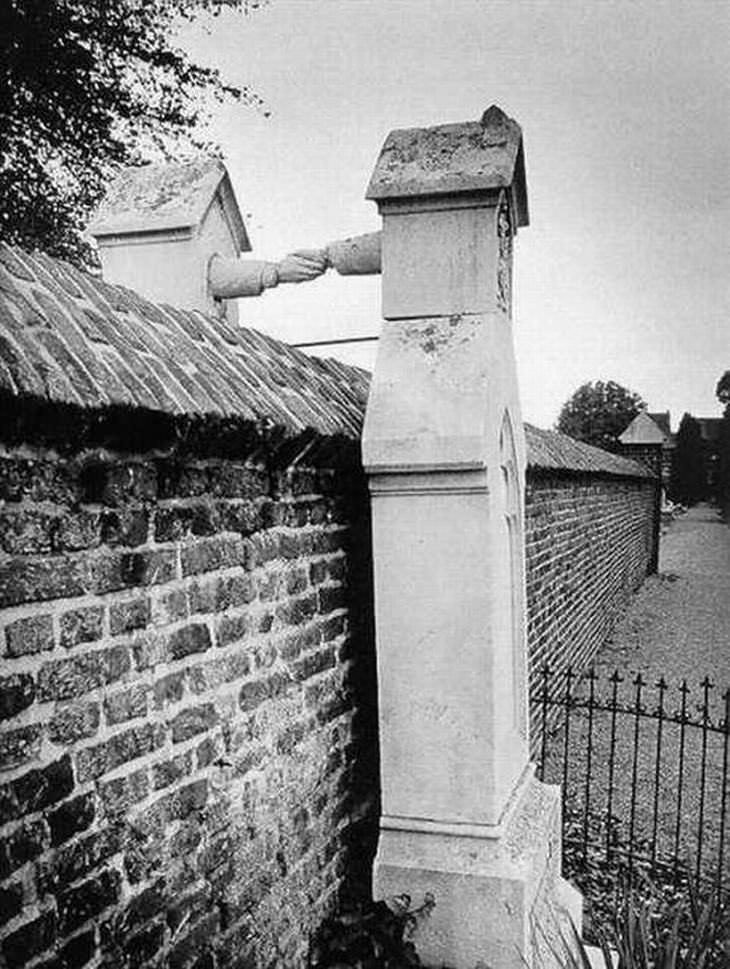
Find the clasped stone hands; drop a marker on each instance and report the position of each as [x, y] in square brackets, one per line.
[302, 265]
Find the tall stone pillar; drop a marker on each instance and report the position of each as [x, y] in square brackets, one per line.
[462, 815]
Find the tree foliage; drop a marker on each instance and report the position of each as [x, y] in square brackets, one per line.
[722, 392]
[85, 87]
[687, 483]
[598, 412]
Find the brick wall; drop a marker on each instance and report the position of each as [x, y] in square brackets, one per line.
[185, 682]
[589, 544]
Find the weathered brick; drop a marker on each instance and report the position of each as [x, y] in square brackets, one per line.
[36, 480]
[268, 585]
[78, 952]
[82, 625]
[114, 570]
[38, 579]
[93, 762]
[193, 721]
[66, 678]
[331, 597]
[180, 481]
[333, 627]
[169, 771]
[19, 746]
[244, 517]
[253, 694]
[210, 554]
[149, 648]
[125, 617]
[314, 663]
[229, 629]
[150, 902]
[29, 940]
[194, 638]
[22, 844]
[318, 571]
[71, 817]
[126, 705]
[79, 857]
[77, 531]
[26, 531]
[141, 947]
[211, 675]
[17, 693]
[121, 793]
[168, 689]
[170, 607]
[31, 635]
[11, 902]
[295, 643]
[180, 521]
[117, 484]
[73, 721]
[229, 480]
[220, 593]
[37, 789]
[294, 612]
[194, 948]
[208, 751]
[85, 901]
[127, 527]
[296, 580]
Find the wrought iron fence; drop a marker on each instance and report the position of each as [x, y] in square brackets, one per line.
[643, 767]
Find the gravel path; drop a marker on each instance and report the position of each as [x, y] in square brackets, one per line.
[679, 623]
[677, 627]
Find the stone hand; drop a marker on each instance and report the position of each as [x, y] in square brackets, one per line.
[302, 266]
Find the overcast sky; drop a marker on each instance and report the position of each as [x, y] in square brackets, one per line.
[624, 272]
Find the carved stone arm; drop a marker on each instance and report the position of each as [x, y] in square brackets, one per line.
[231, 278]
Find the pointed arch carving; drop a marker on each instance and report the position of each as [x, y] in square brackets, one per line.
[513, 522]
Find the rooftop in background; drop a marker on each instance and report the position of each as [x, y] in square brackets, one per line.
[644, 430]
[662, 419]
[157, 198]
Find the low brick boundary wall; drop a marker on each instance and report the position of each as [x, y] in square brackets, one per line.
[181, 675]
[591, 537]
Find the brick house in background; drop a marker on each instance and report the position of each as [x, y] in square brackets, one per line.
[648, 438]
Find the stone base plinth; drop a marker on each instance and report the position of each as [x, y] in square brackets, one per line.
[500, 899]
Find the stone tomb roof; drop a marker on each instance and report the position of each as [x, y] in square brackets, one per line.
[163, 198]
[453, 159]
[69, 337]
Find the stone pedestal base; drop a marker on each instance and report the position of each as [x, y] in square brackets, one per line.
[500, 899]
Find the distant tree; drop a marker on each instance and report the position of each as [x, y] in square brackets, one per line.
[722, 392]
[687, 483]
[86, 87]
[598, 412]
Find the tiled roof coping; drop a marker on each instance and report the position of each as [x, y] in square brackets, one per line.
[69, 337]
[159, 198]
[552, 451]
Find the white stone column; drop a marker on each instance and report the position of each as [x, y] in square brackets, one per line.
[443, 446]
